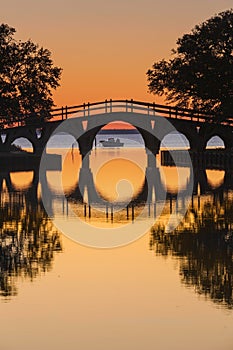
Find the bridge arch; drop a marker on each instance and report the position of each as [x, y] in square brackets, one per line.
[151, 135]
[61, 140]
[207, 132]
[213, 140]
[24, 143]
[224, 140]
[126, 132]
[89, 136]
[179, 138]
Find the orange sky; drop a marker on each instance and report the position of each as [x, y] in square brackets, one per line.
[106, 47]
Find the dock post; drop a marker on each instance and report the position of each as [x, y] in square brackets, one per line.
[106, 211]
[132, 212]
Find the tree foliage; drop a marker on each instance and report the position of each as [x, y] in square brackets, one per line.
[27, 77]
[200, 73]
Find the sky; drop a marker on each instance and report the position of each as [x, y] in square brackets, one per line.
[105, 47]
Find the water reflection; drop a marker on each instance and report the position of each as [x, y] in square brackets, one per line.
[203, 245]
[28, 239]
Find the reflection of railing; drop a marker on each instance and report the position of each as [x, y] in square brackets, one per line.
[114, 212]
[127, 106]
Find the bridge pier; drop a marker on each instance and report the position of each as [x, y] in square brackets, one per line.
[4, 146]
[86, 161]
[151, 159]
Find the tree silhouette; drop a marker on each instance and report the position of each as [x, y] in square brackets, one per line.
[28, 242]
[27, 77]
[206, 258]
[200, 75]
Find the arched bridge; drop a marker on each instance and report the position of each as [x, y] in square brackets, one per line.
[85, 121]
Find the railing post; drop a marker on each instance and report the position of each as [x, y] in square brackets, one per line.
[62, 113]
[153, 108]
[126, 106]
[131, 105]
[66, 113]
[84, 111]
[106, 106]
[88, 109]
[110, 105]
[170, 112]
[176, 112]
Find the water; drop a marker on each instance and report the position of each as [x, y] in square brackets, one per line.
[173, 140]
[166, 290]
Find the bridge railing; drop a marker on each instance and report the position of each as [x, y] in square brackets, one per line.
[108, 106]
[128, 106]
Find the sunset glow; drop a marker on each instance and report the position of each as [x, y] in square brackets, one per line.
[106, 47]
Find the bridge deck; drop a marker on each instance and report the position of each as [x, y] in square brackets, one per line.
[109, 106]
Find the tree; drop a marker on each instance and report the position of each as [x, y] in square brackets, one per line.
[200, 74]
[27, 77]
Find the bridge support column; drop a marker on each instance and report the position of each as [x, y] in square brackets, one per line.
[85, 146]
[155, 189]
[86, 160]
[38, 150]
[4, 148]
[152, 145]
[151, 159]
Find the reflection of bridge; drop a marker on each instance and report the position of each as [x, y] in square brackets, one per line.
[85, 121]
[153, 186]
[84, 192]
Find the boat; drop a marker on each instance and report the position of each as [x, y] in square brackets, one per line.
[111, 142]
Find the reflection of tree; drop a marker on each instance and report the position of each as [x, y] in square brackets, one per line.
[206, 259]
[27, 241]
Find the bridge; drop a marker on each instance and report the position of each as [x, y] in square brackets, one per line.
[86, 120]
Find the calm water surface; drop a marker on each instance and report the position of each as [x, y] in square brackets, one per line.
[166, 290]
